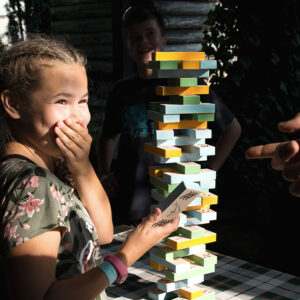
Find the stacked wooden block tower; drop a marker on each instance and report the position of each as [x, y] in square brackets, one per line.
[179, 144]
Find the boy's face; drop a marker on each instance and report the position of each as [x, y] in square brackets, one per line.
[143, 39]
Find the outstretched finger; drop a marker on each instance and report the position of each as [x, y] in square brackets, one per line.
[290, 126]
[262, 151]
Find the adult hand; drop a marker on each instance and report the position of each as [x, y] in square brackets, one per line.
[284, 156]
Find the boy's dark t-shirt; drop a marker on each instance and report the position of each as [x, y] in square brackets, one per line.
[126, 113]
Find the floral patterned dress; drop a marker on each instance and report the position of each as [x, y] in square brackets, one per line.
[33, 201]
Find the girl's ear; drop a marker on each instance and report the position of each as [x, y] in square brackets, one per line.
[10, 104]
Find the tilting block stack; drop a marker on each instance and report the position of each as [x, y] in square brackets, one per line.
[179, 145]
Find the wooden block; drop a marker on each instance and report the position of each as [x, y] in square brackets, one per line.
[163, 65]
[169, 253]
[156, 294]
[191, 124]
[187, 167]
[164, 151]
[201, 133]
[163, 134]
[197, 201]
[209, 198]
[207, 295]
[175, 177]
[204, 258]
[156, 266]
[180, 73]
[157, 196]
[207, 184]
[185, 157]
[184, 99]
[200, 149]
[193, 90]
[187, 108]
[195, 270]
[181, 242]
[178, 141]
[178, 56]
[183, 82]
[176, 265]
[167, 285]
[157, 116]
[177, 201]
[155, 106]
[193, 207]
[190, 292]
[189, 64]
[191, 232]
[199, 117]
[158, 170]
[208, 64]
[189, 221]
[203, 214]
[158, 182]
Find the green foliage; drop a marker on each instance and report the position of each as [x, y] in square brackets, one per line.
[258, 77]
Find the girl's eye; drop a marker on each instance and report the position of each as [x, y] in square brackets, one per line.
[61, 101]
[83, 101]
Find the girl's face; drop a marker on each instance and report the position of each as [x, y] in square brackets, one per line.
[62, 94]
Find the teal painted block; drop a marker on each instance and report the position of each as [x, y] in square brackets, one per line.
[185, 157]
[199, 117]
[180, 73]
[178, 140]
[195, 270]
[168, 285]
[197, 201]
[163, 64]
[183, 82]
[157, 116]
[185, 99]
[169, 253]
[163, 134]
[197, 133]
[190, 221]
[202, 216]
[187, 168]
[171, 109]
[208, 64]
[201, 149]
[173, 178]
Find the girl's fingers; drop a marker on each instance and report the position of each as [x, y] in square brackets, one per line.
[283, 154]
[261, 151]
[291, 171]
[290, 126]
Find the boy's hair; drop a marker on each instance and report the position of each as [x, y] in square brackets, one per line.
[20, 65]
[139, 14]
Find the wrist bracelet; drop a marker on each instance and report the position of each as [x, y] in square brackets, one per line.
[119, 265]
[109, 271]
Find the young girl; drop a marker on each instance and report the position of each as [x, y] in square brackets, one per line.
[50, 232]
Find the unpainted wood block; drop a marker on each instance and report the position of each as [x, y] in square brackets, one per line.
[187, 108]
[193, 90]
[164, 151]
[183, 82]
[181, 242]
[178, 56]
[191, 124]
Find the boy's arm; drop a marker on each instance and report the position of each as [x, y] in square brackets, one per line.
[225, 144]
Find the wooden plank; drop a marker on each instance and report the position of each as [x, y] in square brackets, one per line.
[178, 55]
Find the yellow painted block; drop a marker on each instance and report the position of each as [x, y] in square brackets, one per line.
[191, 292]
[181, 90]
[164, 151]
[158, 171]
[209, 198]
[181, 242]
[178, 55]
[183, 124]
[156, 266]
[198, 207]
[189, 64]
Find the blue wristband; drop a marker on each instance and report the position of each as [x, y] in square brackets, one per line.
[109, 271]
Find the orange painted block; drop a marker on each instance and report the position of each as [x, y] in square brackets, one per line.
[190, 292]
[184, 124]
[181, 90]
[156, 266]
[209, 198]
[164, 151]
[189, 64]
[158, 171]
[178, 55]
[197, 207]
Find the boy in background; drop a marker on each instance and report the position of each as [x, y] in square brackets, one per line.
[126, 114]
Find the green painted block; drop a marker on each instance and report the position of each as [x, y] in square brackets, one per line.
[185, 99]
[191, 233]
[159, 183]
[204, 259]
[194, 271]
[187, 168]
[163, 65]
[163, 192]
[185, 82]
[199, 117]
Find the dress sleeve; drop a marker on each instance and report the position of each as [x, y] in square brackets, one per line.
[34, 206]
